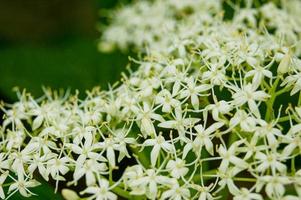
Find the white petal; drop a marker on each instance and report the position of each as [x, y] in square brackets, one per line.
[2, 195]
[37, 122]
[167, 124]
[111, 156]
[195, 101]
[209, 146]
[254, 108]
[154, 154]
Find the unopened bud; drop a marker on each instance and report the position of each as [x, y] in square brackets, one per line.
[70, 195]
[284, 65]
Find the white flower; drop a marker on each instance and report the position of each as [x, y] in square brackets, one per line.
[15, 115]
[82, 132]
[101, 191]
[109, 145]
[146, 115]
[133, 174]
[40, 163]
[177, 168]
[269, 131]
[219, 107]
[3, 177]
[227, 180]
[180, 123]
[176, 192]
[167, 101]
[57, 166]
[19, 160]
[248, 94]
[89, 168]
[297, 182]
[122, 140]
[228, 156]
[270, 160]
[157, 143]
[4, 163]
[246, 121]
[151, 181]
[293, 142]
[22, 186]
[216, 75]
[205, 191]
[86, 150]
[15, 139]
[41, 113]
[193, 91]
[252, 147]
[258, 74]
[204, 136]
[293, 81]
[244, 193]
[275, 185]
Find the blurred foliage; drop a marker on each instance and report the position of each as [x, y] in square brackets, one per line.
[54, 43]
[74, 64]
[33, 20]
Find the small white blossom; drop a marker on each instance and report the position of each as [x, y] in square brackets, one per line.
[22, 186]
[249, 94]
[157, 143]
[101, 191]
[176, 192]
[177, 168]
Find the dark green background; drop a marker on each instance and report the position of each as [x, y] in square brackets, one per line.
[54, 43]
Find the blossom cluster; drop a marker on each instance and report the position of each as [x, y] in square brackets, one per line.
[213, 111]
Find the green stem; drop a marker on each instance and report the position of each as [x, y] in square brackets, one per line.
[284, 119]
[110, 175]
[122, 193]
[299, 100]
[293, 167]
[7, 184]
[242, 179]
[205, 175]
[282, 91]
[270, 102]
[265, 85]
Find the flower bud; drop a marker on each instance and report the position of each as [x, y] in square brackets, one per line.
[70, 195]
[284, 65]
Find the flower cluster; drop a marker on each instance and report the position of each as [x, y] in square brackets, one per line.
[213, 111]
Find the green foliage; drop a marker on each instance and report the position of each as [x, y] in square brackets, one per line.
[74, 64]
